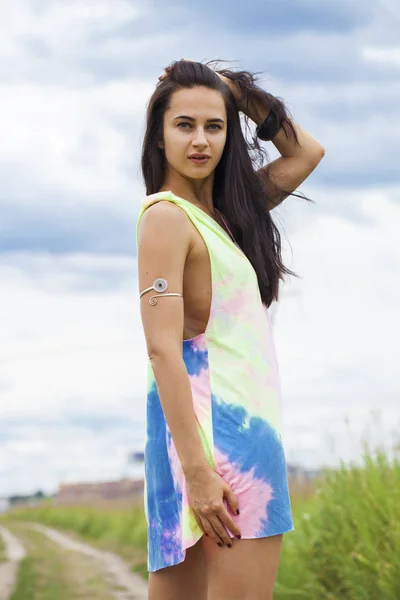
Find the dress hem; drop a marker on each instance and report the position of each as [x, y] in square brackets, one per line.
[178, 562]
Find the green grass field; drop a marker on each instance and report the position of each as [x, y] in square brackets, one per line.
[346, 544]
[2, 550]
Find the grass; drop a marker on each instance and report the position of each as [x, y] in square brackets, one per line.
[49, 572]
[3, 556]
[346, 544]
[40, 575]
[122, 530]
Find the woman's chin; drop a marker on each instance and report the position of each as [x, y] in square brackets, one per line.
[200, 174]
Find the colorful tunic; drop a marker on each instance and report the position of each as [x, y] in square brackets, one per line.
[235, 385]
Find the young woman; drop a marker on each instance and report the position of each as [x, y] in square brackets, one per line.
[209, 261]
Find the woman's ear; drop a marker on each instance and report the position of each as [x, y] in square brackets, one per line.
[160, 144]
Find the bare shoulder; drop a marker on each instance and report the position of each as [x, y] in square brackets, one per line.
[163, 245]
[164, 217]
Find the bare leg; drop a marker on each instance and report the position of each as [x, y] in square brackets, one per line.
[186, 581]
[247, 571]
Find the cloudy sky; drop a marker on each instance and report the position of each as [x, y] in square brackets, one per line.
[75, 76]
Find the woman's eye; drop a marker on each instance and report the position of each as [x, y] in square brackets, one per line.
[211, 125]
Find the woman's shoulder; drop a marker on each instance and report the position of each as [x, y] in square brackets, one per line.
[157, 197]
[161, 213]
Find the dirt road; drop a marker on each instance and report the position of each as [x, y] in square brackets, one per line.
[8, 570]
[115, 570]
[114, 579]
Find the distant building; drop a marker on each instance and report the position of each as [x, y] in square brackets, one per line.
[4, 505]
[28, 500]
[299, 474]
[124, 488]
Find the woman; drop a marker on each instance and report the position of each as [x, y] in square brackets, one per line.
[209, 262]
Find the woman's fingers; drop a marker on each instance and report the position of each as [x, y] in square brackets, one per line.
[166, 71]
[215, 531]
[215, 519]
[220, 523]
[220, 529]
[228, 522]
[198, 520]
[206, 528]
[212, 527]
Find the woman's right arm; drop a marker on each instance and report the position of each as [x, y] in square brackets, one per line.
[164, 243]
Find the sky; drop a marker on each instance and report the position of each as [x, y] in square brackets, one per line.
[75, 78]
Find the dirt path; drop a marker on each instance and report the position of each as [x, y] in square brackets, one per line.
[15, 552]
[126, 585]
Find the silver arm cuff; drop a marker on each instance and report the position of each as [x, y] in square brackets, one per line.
[159, 285]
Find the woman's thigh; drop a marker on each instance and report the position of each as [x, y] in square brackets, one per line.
[247, 571]
[186, 581]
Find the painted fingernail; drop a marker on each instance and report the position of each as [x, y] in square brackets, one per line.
[219, 543]
[229, 545]
[239, 537]
[238, 512]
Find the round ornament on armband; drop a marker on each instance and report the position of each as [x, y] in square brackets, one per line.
[160, 285]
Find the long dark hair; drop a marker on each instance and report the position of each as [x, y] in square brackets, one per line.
[238, 192]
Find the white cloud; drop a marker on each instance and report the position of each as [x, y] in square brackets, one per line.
[383, 55]
[337, 337]
[69, 348]
[65, 139]
[70, 136]
[65, 454]
[62, 27]
[67, 355]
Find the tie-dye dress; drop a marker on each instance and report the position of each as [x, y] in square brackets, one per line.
[235, 385]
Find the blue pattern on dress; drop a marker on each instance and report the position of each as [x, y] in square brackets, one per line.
[250, 442]
[163, 501]
[194, 357]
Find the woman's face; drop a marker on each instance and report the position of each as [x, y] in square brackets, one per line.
[196, 122]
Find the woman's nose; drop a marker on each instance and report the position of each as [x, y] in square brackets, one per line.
[200, 137]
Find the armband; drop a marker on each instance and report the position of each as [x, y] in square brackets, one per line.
[159, 285]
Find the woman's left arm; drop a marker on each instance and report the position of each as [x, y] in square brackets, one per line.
[291, 169]
[297, 161]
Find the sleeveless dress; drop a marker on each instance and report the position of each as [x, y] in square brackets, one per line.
[235, 385]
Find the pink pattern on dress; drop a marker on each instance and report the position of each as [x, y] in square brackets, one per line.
[252, 493]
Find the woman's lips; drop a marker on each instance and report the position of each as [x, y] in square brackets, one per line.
[199, 161]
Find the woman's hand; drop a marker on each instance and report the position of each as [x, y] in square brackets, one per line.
[206, 491]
